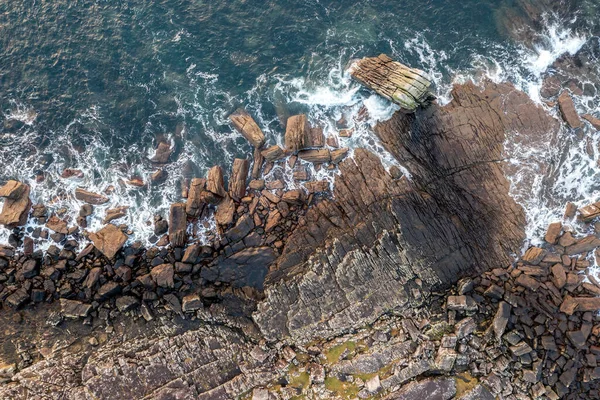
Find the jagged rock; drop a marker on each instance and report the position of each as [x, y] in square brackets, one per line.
[191, 303]
[370, 225]
[57, 225]
[18, 297]
[162, 153]
[74, 309]
[178, 225]
[241, 229]
[225, 212]
[247, 267]
[572, 304]
[584, 245]
[108, 240]
[215, 183]
[553, 232]
[501, 319]
[115, 213]
[433, 388]
[159, 176]
[163, 275]
[195, 204]
[317, 187]
[126, 303]
[534, 255]
[294, 196]
[595, 122]
[273, 153]
[461, 303]
[316, 156]
[108, 290]
[568, 111]
[315, 137]
[407, 87]
[17, 204]
[244, 124]
[237, 181]
[338, 155]
[90, 197]
[257, 164]
[296, 133]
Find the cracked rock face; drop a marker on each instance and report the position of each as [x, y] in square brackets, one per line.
[385, 243]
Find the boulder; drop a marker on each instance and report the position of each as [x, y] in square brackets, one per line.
[89, 197]
[237, 180]
[315, 137]
[257, 164]
[595, 122]
[16, 204]
[553, 232]
[178, 225]
[215, 183]
[115, 213]
[126, 303]
[273, 153]
[407, 87]
[163, 275]
[338, 155]
[316, 156]
[584, 245]
[191, 303]
[195, 202]
[108, 240]
[162, 154]
[568, 111]
[296, 133]
[244, 124]
[57, 225]
[225, 212]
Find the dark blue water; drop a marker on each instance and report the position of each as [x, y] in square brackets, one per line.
[95, 85]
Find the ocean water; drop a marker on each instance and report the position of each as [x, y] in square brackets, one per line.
[95, 85]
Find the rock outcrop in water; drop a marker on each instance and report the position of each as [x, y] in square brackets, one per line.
[407, 87]
[362, 289]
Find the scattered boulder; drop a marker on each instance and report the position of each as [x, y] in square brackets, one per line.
[244, 124]
[178, 225]
[296, 132]
[17, 204]
[162, 154]
[195, 202]
[89, 197]
[237, 180]
[74, 309]
[163, 275]
[595, 122]
[109, 240]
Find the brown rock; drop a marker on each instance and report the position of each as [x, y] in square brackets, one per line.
[570, 210]
[163, 275]
[57, 225]
[559, 276]
[294, 196]
[108, 240]
[589, 212]
[225, 212]
[315, 137]
[346, 133]
[89, 197]
[584, 245]
[162, 154]
[272, 220]
[257, 184]
[567, 239]
[528, 282]
[553, 232]
[571, 305]
[270, 196]
[237, 181]
[245, 124]
[317, 156]
[71, 173]
[215, 183]
[195, 202]
[317, 186]
[534, 255]
[296, 133]
[301, 173]
[17, 204]
[568, 111]
[257, 164]
[178, 225]
[273, 153]
[595, 122]
[115, 213]
[339, 155]
[332, 141]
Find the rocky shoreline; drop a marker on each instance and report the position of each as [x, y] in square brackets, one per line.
[378, 287]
